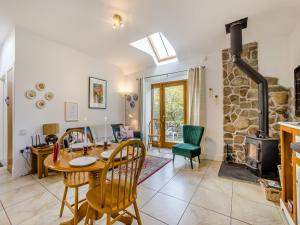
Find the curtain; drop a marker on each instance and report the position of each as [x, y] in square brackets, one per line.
[196, 89]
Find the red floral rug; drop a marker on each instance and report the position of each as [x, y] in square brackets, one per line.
[151, 165]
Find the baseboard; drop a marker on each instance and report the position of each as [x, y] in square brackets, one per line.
[212, 157]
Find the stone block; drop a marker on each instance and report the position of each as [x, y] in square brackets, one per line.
[280, 98]
[235, 99]
[252, 94]
[242, 123]
[227, 91]
[239, 81]
[226, 109]
[229, 128]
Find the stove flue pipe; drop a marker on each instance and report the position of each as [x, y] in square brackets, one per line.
[235, 30]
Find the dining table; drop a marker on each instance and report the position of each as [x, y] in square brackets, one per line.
[94, 171]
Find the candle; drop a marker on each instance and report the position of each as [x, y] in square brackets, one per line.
[85, 132]
[105, 129]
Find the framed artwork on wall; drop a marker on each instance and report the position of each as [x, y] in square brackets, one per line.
[97, 93]
[71, 111]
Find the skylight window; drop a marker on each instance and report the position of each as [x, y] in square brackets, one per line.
[158, 46]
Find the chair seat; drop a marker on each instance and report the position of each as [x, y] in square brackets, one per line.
[76, 179]
[186, 149]
[93, 197]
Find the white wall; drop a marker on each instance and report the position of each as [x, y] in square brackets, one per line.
[65, 72]
[295, 49]
[7, 61]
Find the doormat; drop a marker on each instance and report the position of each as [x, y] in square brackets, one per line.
[237, 171]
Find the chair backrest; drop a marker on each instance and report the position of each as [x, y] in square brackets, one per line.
[122, 174]
[77, 133]
[192, 134]
[116, 128]
[154, 127]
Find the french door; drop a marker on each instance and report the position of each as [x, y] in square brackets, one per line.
[169, 108]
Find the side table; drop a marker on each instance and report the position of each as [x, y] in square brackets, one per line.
[38, 156]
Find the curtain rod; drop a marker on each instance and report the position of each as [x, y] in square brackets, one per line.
[166, 74]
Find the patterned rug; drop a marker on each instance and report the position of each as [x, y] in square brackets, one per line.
[151, 165]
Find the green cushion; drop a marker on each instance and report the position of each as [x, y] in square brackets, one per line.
[186, 149]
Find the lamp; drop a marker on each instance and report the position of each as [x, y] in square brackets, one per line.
[50, 130]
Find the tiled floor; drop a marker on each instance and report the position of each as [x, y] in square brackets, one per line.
[174, 195]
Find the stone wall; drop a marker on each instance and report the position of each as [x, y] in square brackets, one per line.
[291, 110]
[241, 103]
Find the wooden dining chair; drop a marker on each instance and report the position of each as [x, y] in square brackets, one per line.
[154, 128]
[73, 179]
[118, 184]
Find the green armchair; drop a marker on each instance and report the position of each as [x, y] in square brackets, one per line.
[190, 147]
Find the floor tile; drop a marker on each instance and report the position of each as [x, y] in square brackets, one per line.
[157, 181]
[237, 222]
[144, 195]
[21, 194]
[3, 218]
[213, 200]
[32, 207]
[195, 215]
[16, 183]
[250, 191]
[218, 184]
[183, 185]
[255, 213]
[48, 217]
[146, 220]
[165, 208]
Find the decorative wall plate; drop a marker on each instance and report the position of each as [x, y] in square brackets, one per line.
[40, 104]
[40, 86]
[49, 96]
[132, 104]
[30, 94]
[128, 98]
[135, 97]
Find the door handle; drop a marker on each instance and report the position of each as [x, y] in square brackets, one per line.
[7, 101]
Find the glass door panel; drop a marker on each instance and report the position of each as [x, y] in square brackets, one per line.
[169, 112]
[174, 113]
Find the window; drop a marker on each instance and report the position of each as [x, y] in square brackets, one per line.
[158, 46]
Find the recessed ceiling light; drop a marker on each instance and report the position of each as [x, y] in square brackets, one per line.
[117, 21]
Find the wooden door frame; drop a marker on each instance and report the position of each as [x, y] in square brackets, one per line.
[10, 113]
[162, 86]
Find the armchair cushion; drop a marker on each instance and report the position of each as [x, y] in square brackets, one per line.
[185, 149]
[116, 128]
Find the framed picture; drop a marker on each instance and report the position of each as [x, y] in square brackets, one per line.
[97, 93]
[71, 111]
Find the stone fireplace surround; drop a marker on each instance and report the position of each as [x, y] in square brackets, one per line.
[240, 103]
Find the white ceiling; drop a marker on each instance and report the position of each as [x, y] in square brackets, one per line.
[193, 26]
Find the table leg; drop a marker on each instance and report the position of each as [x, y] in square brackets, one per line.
[40, 166]
[45, 169]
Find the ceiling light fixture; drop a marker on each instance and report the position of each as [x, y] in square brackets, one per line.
[117, 21]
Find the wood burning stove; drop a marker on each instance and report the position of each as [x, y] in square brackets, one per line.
[261, 150]
[262, 156]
